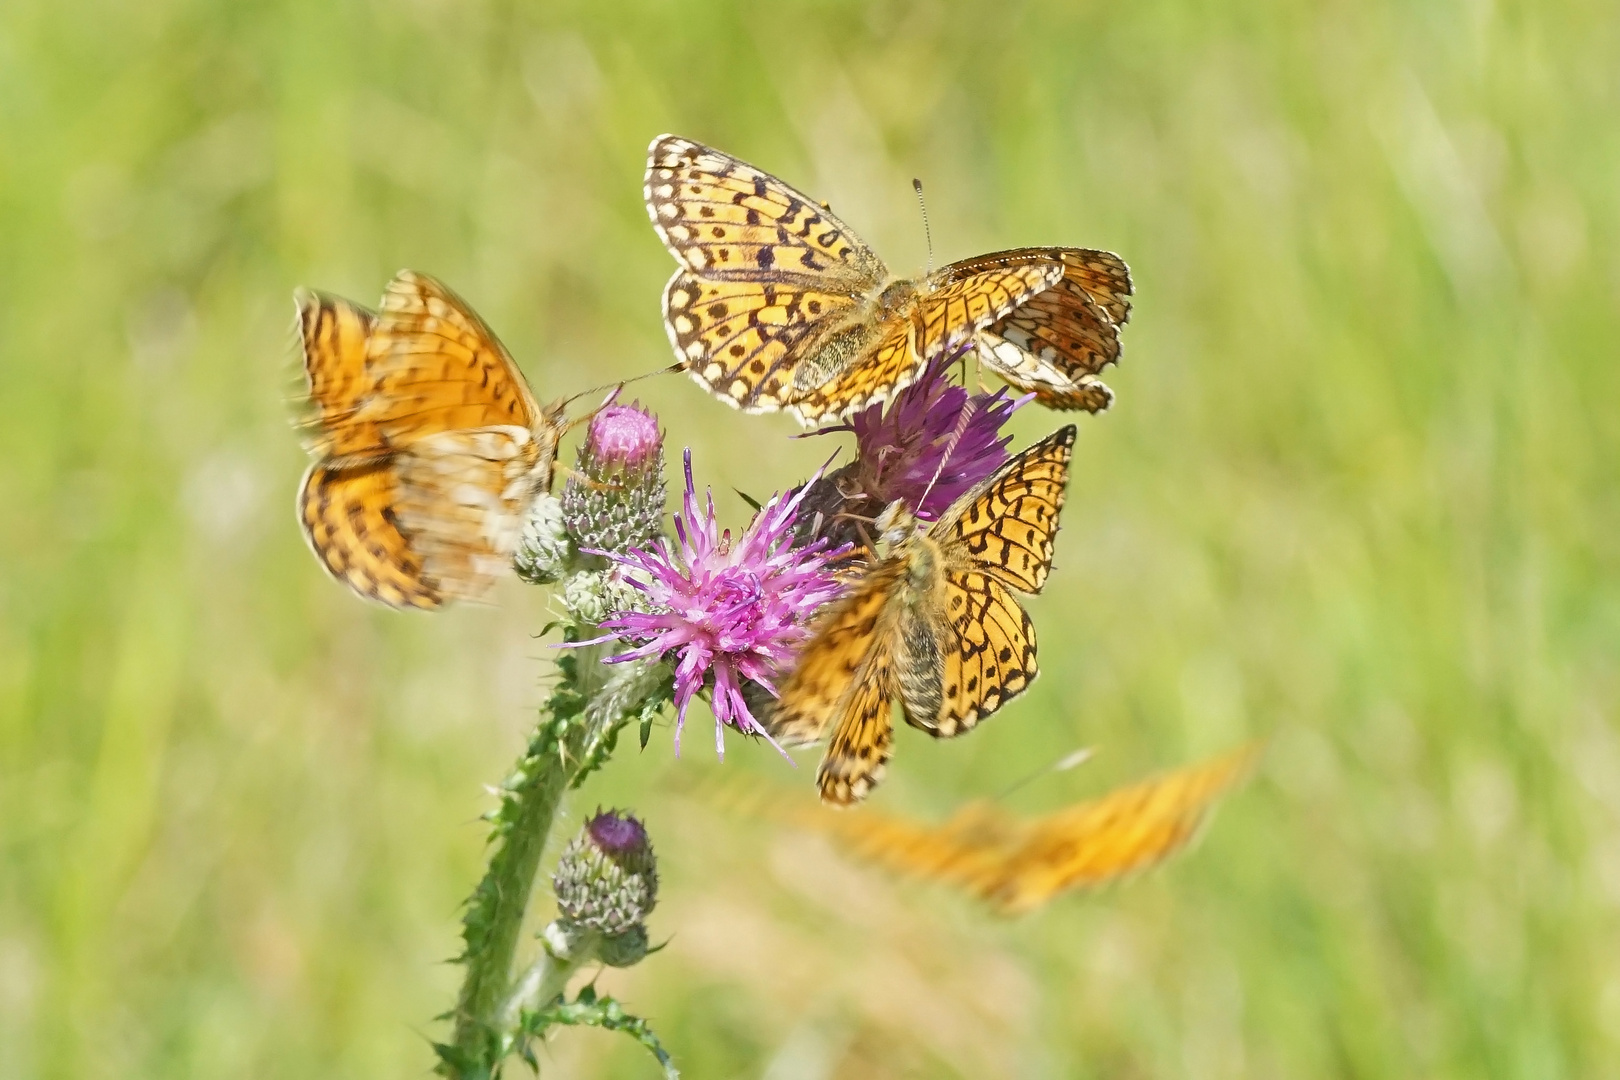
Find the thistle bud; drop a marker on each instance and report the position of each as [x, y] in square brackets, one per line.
[607, 878]
[616, 502]
[544, 551]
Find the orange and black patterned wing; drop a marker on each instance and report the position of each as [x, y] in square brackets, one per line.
[843, 682]
[725, 220]
[745, 341]
[1127, 830]
[884, 358]
[333, 335]
[1057, 342]
[437, 367]
[349, 516]
[858, 752]
[842, 636]
[1006, 527]
[766, 273]
[989, 659]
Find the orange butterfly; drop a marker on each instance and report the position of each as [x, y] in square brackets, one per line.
[428, 446]
[932, 620]
[779, 305]
[1018, 865]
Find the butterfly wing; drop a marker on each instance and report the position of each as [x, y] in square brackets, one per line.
[944, 317]
[996, 538]
[725, 220]
[843, 681]
[1057, 342]
[333, 335]
[743, 340]
[1127, 830]
[437, 367]
[350, 520]
[990, 657]
[768, 276]
[1007, 526]
[462, 499]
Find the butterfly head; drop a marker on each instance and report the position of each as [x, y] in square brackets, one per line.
[896, 525]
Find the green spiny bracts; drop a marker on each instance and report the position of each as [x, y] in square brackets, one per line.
[607, 878]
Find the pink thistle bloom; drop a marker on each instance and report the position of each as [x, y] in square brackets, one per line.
[935, 442]
[729, 611]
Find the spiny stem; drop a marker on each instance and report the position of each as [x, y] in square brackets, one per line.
[495, 913]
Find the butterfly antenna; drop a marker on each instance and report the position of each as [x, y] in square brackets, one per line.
[1068, 761]
[928, 235]
[620, 384]
[968, 408]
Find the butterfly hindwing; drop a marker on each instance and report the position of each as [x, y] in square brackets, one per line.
[994, 658]
[349, 518]
[738, 338]
[462, 497]
[858, 752]
[1057, 342]
[841, 638]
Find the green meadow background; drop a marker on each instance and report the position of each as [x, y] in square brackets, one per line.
[1360, 490]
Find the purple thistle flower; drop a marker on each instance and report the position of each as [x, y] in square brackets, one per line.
[935, 442]
[729, 611]
[932, 445]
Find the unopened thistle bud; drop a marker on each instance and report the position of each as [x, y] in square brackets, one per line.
[543, 551]
[616, 502]
[607, 878]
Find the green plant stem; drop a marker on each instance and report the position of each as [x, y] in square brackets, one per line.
[548, 976]
[494, 920]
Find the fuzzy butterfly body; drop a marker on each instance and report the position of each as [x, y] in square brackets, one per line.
[932, 621]
[778, 305]
[1018, 865]
[429, 446]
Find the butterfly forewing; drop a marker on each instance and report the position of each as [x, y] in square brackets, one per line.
[1125, 831]
[939, 322]
[1007, 527]
[437, 367]
[723, 219]
[333, 335]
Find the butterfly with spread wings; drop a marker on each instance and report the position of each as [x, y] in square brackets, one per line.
[1017, 865]
[428, 445]
[932, 620]
[779, 305]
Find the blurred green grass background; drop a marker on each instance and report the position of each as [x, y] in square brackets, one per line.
[1359, 489]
